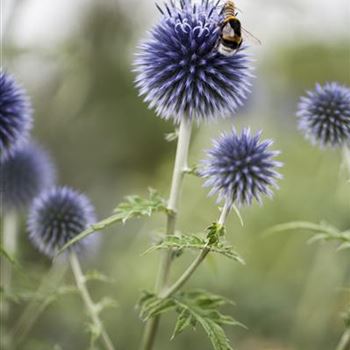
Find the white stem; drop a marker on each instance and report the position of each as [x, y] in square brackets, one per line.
[181, 163]
[9, 244]
[180, 168]
[90, 305]
[344, 342]
[346, 155]
[224, 213]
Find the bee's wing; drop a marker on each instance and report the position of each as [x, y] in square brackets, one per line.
[250, 37]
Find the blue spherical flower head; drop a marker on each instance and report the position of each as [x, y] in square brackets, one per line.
[181, 73]
[241, 167]
[324, 115]
[56, 217]
[15, 115]
[24, 175]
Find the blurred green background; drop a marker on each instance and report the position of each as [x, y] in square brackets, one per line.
[75, 60]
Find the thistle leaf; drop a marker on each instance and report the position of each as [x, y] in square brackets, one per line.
[136, 206]
[195, 307]
[322, 232]
[195, 242]
[133, 207]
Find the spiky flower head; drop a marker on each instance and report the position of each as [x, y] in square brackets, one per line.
[324, 115]
[241, 167]
[15, 115]
[24, 175]
[180, 71]
[56, 217]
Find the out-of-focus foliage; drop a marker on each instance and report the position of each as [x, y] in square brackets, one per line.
[107, 144]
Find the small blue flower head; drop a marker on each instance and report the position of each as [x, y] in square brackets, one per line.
[324, 115]
[24, 175]
[241, 167]
[15, 115]
[180, 71]
[56, 217]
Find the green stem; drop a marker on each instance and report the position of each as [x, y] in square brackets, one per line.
[37, 305]
[344, 343]
[180, 168]
[90, 305]
[200, 258]
[9, 244]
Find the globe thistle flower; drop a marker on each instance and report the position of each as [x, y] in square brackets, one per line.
[15, 115]
[324, 115]
[240, 168]
[24, 174]
[179, 70]
[56, 217]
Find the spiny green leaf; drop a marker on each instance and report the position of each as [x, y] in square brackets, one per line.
[195, 242]
[136, 206]
[133, 207]
[184, 320]
[195, 307]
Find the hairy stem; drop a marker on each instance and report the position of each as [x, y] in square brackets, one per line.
[90, 305]
[9, 244]
[344, 343]
[193, 267]
[180, 169]
[42, 298]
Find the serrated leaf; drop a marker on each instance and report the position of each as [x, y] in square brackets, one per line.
[133, 207]
[196, 307]
[195, 242]
[136, 206]
[184, 320]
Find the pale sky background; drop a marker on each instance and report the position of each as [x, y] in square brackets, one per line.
[46, 23]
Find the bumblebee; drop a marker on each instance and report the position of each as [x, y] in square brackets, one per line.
[231, 38]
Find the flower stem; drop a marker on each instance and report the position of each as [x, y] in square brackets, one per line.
[9, 244]
[193, 267]
[344, 343]
[180, 168]
[90, 305]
